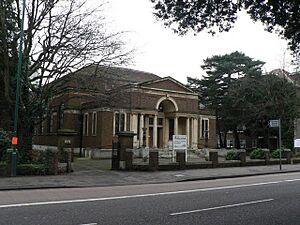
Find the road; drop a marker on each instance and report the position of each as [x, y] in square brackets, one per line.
[269, 199]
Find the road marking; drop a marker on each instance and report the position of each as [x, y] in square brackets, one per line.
[145, 195]
[223, 207]
[89, 224]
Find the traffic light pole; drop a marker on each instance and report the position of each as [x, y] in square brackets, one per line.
[20, 58]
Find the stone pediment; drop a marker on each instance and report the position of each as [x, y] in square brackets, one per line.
[166, 83]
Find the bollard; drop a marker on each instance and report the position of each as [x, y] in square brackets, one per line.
[288, 154]
[243, 157]
[267, 156]
[69, 160]
[213, 157]
[128, 159]
[180, 158]
[52, 162]
[153, 160]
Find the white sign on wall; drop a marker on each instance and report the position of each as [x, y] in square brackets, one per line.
[179, 142]
[297, 143]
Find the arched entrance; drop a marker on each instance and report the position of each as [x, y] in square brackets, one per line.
[164, 123]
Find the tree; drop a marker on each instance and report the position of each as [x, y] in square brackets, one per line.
[281, 16]
[60, 37]
[222, 72]
[261, 98]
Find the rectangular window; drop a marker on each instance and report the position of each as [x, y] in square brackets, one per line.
[42, 127]
[229, 143]
[61, 116]
[117, 120]
[128, 122]
[205, 128]
[85, 124]
[160, 121]
[171, 129]
[51, 123]
[94, 124]
[122, 122]
[151, 121]
[243, 143]
[138, 126]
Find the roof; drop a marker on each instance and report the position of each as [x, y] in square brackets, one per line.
[101, 78]
[160, 80]
[282, 74]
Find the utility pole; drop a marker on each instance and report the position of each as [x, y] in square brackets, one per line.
[19, 70]
[279, 136]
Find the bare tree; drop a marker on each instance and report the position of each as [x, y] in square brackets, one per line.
[61, 36]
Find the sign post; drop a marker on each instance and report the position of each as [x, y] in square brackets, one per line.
[277, 123]
[179, 143]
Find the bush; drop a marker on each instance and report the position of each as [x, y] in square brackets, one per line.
[31, 169]
[276, 154]
[232, 155]
[5, 137]
[257, 153]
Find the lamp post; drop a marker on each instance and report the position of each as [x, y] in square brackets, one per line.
[20, 58]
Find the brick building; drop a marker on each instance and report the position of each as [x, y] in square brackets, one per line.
[95, 103]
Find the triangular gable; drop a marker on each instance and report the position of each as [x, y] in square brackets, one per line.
[166, 83]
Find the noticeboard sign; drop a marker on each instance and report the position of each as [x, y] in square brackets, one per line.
[273, 123]
[297, 143]
[179, 142]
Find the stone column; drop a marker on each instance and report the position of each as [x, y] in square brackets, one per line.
[114, 124]
[155, 131]
[166, 133]
[195, 133]
[125, 121]
[187, 128]
[176, 125]
[133, 127]
[141, 129]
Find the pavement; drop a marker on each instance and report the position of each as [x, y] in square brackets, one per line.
[96, 173]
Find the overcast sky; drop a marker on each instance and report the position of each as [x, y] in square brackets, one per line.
[164, 53]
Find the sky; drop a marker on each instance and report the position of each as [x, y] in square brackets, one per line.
[164, 53]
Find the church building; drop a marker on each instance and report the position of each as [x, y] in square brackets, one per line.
[95, 103]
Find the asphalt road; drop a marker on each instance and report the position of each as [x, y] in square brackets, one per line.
[271, 199]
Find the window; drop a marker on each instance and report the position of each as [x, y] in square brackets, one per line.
[243, 143]
[119, 122]
[229, 143]
[85, 124]
[151, 121]
[205, 128]
[50, 122]
[94, 123]
[171, 129]
[138, 126]
[160, 121]
[61, 116]
[122, 122]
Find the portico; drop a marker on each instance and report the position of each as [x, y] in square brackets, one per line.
[162, 123]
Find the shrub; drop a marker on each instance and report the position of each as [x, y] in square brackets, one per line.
[276, 153]
[232, 155]
[257, 153]
[296, 154]
[31, 169]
